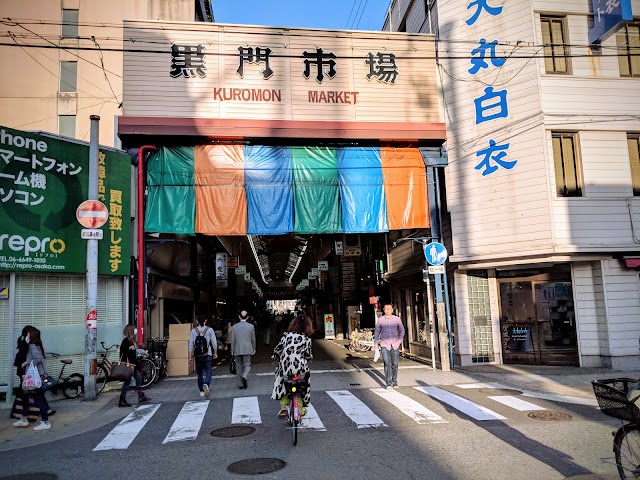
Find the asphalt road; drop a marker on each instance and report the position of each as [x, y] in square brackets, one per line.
[447, 443]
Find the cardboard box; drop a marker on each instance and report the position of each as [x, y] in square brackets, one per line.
[177, 349]
[179, 332]
[179, 367]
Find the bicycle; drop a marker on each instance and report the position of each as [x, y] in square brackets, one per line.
[361, 341]
[158, 354]
[104, 367]
[71, 385]
[612, 399]
[148, 369]
[296, 387]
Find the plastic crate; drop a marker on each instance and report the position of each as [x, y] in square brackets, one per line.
[612, 398]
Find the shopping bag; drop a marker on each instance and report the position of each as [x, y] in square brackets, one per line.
[31, 380]
[232, 366]
[376, 355]
[122, 371]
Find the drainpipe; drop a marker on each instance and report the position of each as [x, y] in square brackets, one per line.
[141, 253]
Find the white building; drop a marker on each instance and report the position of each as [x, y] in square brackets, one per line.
[543, 179]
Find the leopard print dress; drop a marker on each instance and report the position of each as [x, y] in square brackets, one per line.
[293, 354]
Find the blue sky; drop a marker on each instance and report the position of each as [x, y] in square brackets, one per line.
[327, 14]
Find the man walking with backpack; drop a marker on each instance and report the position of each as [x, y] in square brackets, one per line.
[243, 346]
[203, 347]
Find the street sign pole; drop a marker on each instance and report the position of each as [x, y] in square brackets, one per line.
[91, 330]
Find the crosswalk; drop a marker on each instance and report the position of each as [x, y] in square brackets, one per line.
[357, 407]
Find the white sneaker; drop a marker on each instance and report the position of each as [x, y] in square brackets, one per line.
[23, 422]
[205, 387]
[42, 426]
[202, 394]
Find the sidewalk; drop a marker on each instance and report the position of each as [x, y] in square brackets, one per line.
[71, 418]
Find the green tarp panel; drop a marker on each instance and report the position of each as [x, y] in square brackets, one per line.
[171, 204]
[316, 191]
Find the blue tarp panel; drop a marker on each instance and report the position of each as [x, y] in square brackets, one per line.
[364, 206]
[267, 175]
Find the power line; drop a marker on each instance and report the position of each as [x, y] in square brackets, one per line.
[105, 72]
[56, 116]
[362, 13]
[350, 13]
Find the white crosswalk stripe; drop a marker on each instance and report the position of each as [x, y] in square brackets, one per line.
[469, 408]
[516, 403]
[408, 406]
[246, 410]
[355, 409]
[127, 430]
[188, 422]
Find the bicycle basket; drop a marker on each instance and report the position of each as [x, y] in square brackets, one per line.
[157, 345]
[612, 398]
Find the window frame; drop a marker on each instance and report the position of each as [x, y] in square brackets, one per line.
[75, 125]
[560, 177]
[624, 52]
[62, 82]
[67, 24]
[564, 45]
[634, 139]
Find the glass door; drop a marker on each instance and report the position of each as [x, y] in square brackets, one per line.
[517, 323]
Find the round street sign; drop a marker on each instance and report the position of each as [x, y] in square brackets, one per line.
[435, 253]
[92, 214]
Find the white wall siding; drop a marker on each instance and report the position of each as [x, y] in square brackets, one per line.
[622, 288]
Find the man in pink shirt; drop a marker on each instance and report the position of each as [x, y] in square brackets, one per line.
[388, 336]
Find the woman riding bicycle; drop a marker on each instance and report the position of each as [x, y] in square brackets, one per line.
[293, 353]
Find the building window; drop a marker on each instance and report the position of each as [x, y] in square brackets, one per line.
[69, 23]
[634, 159]
[556, 51]
[67, 125]
[68, 76]
[567, 165]
[628, 41]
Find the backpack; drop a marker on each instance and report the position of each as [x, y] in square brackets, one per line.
[201, 346]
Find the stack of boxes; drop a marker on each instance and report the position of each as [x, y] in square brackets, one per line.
[178, 351]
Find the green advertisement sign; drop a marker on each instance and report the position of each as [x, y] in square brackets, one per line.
[43, 180]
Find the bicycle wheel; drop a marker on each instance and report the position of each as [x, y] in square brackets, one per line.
[73, 386]
[626, 446]
[293, 420]
[148, 370]
[101, 379]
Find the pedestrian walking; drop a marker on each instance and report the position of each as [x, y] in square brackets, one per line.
[227, 340]
[35, 354]
[243, 346]
[22, 348]
[388, 337]
[128, 354]
[203, 347]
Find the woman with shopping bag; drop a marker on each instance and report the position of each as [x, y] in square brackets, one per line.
[32, 382]
[128, 357]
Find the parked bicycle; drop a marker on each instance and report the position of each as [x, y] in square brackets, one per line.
[71, 385]
[296, 387]
[612, 398]
[361, 341]
[158, 355]
[104, 367]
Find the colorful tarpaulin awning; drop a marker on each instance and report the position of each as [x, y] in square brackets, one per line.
[266, 190]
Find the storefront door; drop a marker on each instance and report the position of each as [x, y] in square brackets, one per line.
[537, 319]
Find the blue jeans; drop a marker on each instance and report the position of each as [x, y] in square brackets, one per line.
[390, 358]
[203, 368]
[40, 402]
[126, 385]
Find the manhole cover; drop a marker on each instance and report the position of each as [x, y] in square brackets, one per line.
[550, 416]
[500, 391]
[234, 431]
[256, 466]
[32, 476]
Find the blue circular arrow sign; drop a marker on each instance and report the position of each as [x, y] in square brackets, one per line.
[435, 253]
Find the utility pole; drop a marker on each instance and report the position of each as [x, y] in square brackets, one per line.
[91, 331]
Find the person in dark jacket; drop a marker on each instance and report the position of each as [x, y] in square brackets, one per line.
[22, 348]
[128, 354]
[36, 355]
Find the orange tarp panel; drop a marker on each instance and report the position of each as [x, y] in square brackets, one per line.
[405, 187]
[221, 201]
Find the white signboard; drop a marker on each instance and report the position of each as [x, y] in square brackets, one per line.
[315, 272]
[339, 248]
[222, 273]
[304, 282]
[323, 266]
[247, 277]
[436, 269]
[241, 269]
